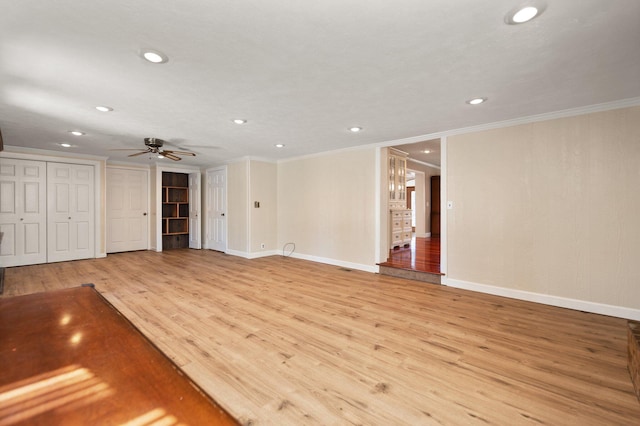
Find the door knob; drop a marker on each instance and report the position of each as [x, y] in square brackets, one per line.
[144, 214]
[222, 214]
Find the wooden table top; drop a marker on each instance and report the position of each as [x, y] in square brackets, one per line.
[69, 357]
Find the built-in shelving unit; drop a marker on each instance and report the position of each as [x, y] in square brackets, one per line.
[400, 227]
[175, 210]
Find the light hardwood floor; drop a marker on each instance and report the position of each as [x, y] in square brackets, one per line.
[282, 341]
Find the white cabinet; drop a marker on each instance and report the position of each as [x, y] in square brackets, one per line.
[401, 230]
[397, 179]
[23, 215]
[400, 217]
[70, 207]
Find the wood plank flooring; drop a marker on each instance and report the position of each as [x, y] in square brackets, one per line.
[423, 255]
[282, 341]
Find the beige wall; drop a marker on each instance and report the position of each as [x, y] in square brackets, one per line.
[237, 206]
[326, 206]
[549, 207]
[263, 221]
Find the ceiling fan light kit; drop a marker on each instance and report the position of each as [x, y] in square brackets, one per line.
[154, 146]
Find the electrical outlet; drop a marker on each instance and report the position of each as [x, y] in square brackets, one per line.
[262, 246]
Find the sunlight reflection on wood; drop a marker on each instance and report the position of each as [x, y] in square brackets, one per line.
[153, 417]
[49, 391]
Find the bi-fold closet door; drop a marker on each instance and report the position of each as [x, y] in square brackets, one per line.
[23, 214]
[47, 212]
[70, 212]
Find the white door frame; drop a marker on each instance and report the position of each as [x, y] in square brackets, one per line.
[195, 210]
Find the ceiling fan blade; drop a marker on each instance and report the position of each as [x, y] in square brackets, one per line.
[170, 156]
[201, 147]
[181, 152]
[139, 153]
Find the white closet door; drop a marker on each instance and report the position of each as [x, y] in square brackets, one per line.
[127, 218]
[216, 209]
[70, 205]
[23, 216]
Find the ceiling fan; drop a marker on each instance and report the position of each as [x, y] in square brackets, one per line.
[154, 146]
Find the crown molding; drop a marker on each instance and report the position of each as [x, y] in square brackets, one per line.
[571, 112]
[11, 149]
[424, 163]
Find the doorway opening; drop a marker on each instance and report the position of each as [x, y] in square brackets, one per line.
[423, 198]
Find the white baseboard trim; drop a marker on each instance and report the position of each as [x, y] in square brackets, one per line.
[367, 268]
[547, 299]
[253, 255]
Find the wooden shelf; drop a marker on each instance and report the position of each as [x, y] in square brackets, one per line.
[175, 210]
[180, 180]
[176, 195]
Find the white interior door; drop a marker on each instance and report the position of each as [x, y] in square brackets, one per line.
[216, 220]
[195, 240]
[23, 215]
[127, 210]
[70, 206]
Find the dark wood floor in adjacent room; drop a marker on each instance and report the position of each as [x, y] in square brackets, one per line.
[283, 341]
[422, 255]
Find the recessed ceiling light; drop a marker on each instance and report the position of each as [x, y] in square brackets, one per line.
[279, 145]
[239, 120]
[525, 12]
[76, 132]
[102, 108]
[426, 151]
[160, 156]
[65, 145]
[355, 129]
[154, 56]
[476, 101]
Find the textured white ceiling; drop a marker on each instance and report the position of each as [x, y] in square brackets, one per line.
[301, 72]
